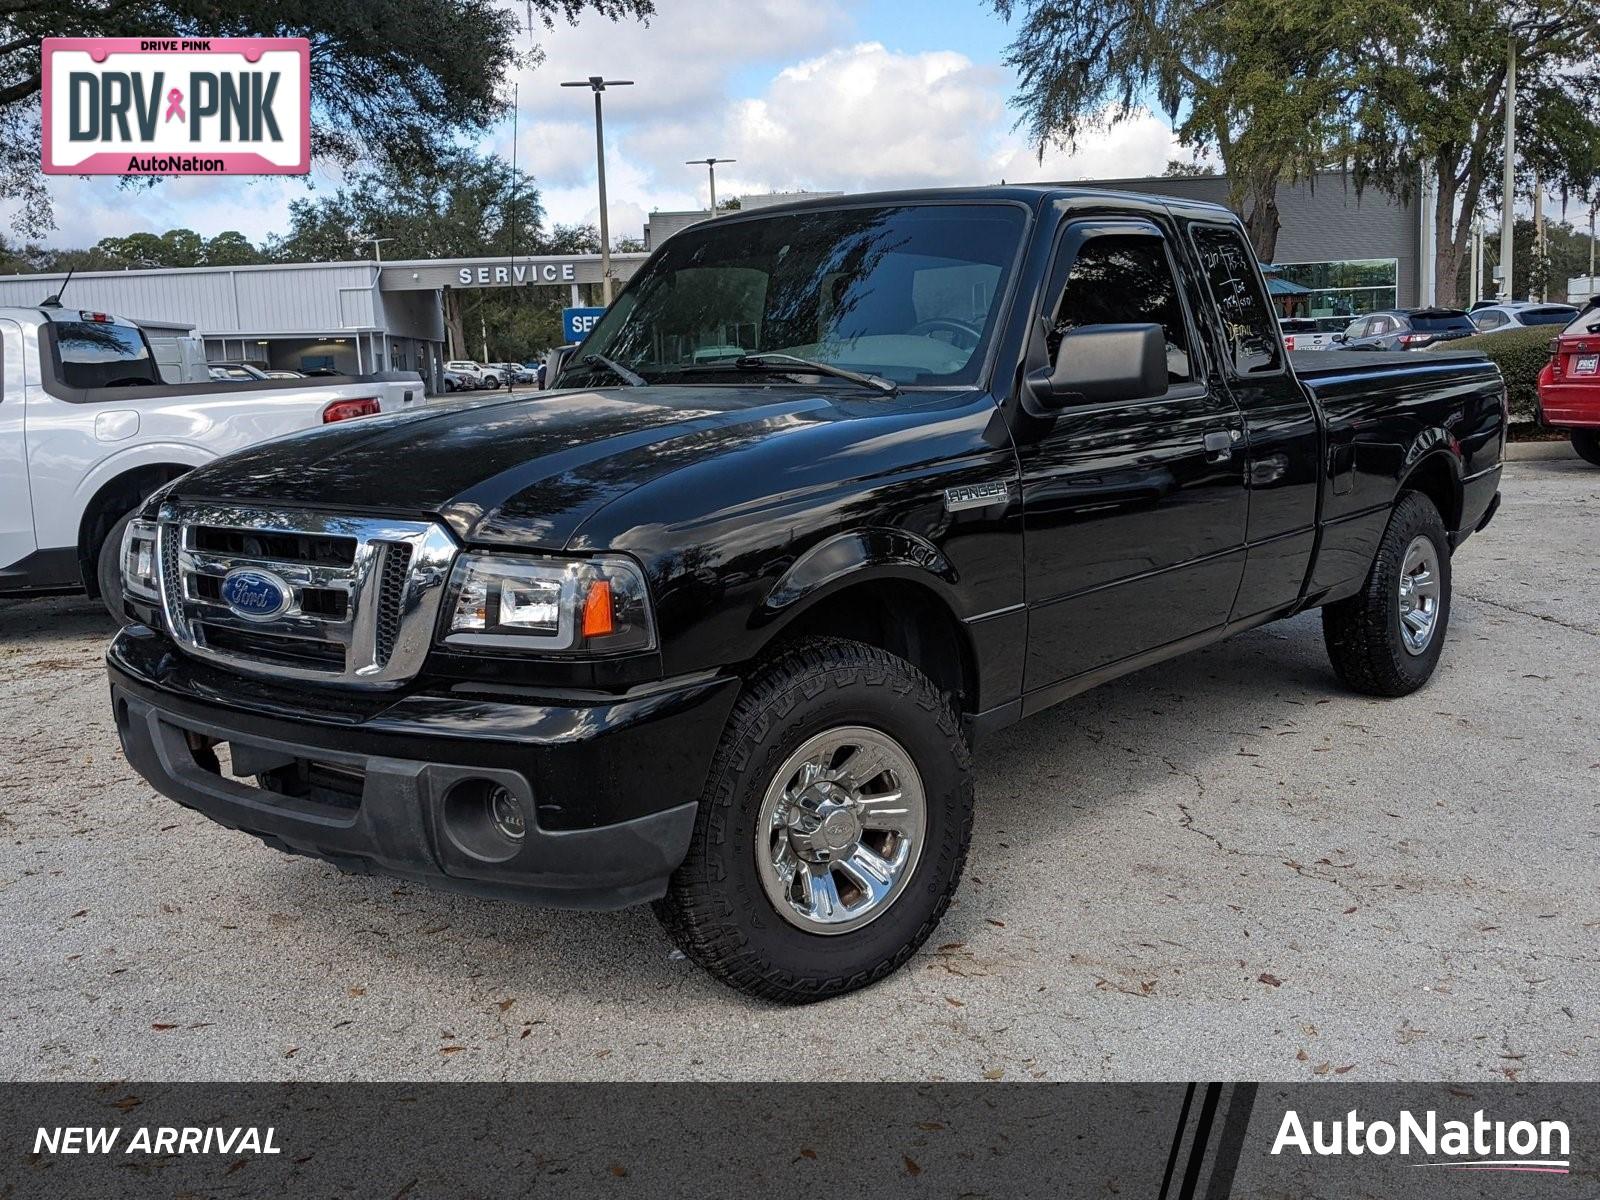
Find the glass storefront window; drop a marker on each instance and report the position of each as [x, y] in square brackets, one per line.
[1343, 288]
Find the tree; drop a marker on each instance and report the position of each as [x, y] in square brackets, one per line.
[459, 205]
[1177, 168]
[1264, 85]
[1432, 95]
[178, 248]
[393, 82]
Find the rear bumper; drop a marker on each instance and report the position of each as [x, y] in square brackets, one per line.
[1569, 404]
[410, 777]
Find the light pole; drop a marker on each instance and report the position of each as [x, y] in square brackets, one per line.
[710, 165]
[377, 247]
[598, 83]
[1508, 202]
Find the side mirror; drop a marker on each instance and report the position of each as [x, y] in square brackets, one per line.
[1339, 338]
[1099, 363]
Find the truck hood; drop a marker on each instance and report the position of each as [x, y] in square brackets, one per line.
[525, 471]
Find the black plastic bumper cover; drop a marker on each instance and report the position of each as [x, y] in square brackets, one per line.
[411, 753]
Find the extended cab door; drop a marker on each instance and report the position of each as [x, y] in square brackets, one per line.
[1134, 511]
[16, 508]
[1283, 434]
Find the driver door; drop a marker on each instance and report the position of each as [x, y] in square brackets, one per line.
[1134, 511]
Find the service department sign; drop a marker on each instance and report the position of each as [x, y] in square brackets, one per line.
[171, 106]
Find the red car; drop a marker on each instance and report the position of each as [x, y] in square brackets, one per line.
[1569, 384]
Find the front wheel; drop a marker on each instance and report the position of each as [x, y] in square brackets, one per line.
[832, 830]
[1386, 639]
[1587, 443]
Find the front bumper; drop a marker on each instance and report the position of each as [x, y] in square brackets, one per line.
[609, 783]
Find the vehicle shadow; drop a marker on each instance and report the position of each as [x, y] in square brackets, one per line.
[1035, 782]
[53, 617]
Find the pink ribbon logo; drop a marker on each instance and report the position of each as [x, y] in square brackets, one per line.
[175, 105]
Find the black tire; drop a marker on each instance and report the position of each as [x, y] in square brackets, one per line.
[1587, 443]
[716, 908]
[1363, 632]
[108, 569]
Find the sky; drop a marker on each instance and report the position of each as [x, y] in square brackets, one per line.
[831, 95]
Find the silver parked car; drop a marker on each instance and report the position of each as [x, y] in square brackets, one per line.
[1521, 314]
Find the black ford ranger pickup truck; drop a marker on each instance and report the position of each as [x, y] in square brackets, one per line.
[828, 492]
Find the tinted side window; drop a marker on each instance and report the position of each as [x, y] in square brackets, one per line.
[1247, 323]
[1124, 280]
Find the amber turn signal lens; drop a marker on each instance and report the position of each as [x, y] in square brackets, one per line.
[597, 610]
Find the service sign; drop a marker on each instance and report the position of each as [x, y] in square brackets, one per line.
[177, 106]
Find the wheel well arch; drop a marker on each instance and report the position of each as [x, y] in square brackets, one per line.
[1435, 476]
[108, 505]
[907, 618]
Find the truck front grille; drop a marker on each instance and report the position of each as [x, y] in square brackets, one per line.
[348, 599]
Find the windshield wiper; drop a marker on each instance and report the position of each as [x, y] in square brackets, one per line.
[631, 378]
[777, 362]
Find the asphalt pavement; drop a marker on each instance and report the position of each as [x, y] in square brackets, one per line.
[1224, 867]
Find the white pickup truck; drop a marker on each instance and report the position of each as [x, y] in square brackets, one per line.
[88, 430]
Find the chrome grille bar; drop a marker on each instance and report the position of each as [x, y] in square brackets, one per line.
[367, 622]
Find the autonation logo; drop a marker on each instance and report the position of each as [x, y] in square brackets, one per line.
[1476, 1145]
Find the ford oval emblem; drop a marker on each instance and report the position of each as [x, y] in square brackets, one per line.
[255, 594]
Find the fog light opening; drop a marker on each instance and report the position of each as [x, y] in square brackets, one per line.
[506, 812]
[485, 820]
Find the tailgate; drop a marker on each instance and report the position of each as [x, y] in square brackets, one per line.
[1577, 358]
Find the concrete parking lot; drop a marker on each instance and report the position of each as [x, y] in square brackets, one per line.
[1225, 867]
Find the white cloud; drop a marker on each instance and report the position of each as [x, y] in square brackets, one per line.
[853, 118]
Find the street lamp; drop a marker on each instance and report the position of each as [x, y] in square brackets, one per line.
[710, 165]
[599, 84]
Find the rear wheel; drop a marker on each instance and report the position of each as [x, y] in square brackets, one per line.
[1587, 443]
[833, 828]
[1386, 639]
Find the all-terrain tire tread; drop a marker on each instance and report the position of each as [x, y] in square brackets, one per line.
[1362, 640]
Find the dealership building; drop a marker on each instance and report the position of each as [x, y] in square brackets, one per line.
[352, 317]
[1338, 253]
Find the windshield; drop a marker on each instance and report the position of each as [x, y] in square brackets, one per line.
[96, 354]
[907, 293]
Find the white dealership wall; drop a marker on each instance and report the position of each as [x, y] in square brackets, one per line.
[264, 313]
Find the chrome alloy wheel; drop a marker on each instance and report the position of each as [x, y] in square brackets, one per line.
[1419, 594]
[840, 830]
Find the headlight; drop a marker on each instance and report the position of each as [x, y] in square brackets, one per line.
[141, 573]
[550, 605]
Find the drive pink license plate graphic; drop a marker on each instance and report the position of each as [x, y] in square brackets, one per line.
[177, 106]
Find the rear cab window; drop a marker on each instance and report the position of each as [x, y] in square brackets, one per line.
[99, 353]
